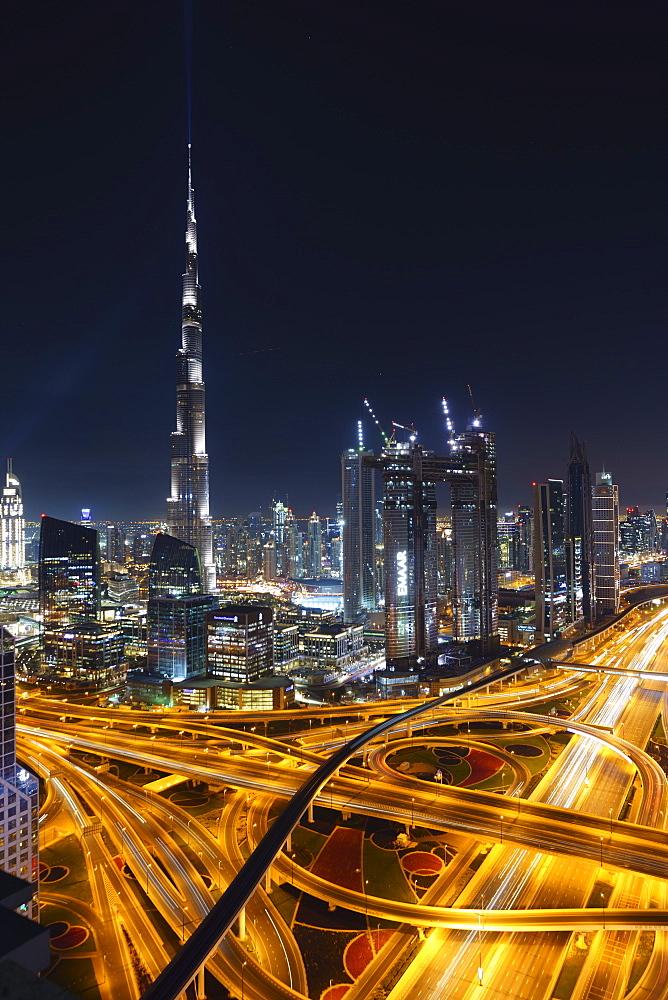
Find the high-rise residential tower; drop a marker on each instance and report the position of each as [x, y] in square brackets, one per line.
[605, 504]
[188, 505]
[579, 531]
[359, 536]
[474, 526]
[12, 525]
[314, 547]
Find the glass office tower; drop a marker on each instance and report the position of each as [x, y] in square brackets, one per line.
[174, 569]
[550, 559]
[69, 573]
[359, 516]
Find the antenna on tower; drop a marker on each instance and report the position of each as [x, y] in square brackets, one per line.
[477, 414]
[188, 40]
[375, 420]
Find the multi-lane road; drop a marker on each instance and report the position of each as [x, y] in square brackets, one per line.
[511, 926]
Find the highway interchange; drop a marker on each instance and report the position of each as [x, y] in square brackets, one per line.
[505, 934]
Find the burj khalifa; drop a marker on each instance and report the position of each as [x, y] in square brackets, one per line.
[188, 505]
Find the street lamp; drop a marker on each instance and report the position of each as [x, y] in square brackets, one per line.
[183, 923]
[501, 818]
[601, 852]
[412, 812]
[243, 966]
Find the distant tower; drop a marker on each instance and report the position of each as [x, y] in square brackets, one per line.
[116, 550]
[605, 503]
[579, 530]
[314, 547]
[12, 525]
[293, 541]
[358, 534]
[188, 506]
[280, 513]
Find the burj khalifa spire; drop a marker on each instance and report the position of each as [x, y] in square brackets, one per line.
[188, 506]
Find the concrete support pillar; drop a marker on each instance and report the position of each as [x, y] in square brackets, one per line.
[199, 984]
[242, 924]
[407, 829]
[310, 811]
[409, 729]
[288, 842]
[345, 814]
[267, 880]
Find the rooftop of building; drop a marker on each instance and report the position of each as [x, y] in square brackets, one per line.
[145, 677]
[244, 609]
[94, 629]
[263, 684]
[332, 631]
[14, 891]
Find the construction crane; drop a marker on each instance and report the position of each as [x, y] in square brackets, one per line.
[411, 430]
[448, 422]
[375, 420]
[477, 414]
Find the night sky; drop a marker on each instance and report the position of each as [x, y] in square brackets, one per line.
[393, 200]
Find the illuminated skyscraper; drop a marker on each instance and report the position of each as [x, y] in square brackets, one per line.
[359, 553]
[605, 503]
[240, 643]
[473, 499]
[69, 573]
[188, 506]
[12, 544]
[280, 513]
[176, 635]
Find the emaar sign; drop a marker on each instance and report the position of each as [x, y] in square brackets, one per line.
[402, 574]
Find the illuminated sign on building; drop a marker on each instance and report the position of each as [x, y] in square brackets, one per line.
[402, 574]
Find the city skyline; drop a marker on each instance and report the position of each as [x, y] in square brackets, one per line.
[478, 218]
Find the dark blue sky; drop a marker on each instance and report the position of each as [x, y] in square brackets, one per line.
[392, 201]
